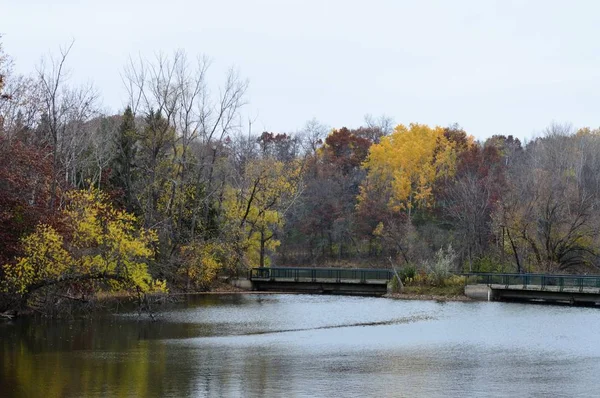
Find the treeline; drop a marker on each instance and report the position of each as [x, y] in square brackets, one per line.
[174, 189]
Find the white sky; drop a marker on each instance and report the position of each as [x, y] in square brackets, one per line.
[508, 67]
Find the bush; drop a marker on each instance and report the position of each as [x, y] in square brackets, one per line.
[408, 272]
[442, 265]
[488, 264]
[395, 286]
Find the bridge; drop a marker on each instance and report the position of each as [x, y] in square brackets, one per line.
[360, 281]
[570, 289]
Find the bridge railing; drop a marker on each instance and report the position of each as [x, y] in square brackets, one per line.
[316, 274]
[543, 281]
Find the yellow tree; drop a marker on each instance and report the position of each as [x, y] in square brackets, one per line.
[251, 213]
[255, 210]
[102, 250]
[404, 166]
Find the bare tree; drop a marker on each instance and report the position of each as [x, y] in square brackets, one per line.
[195, 124]
[19, 100]
[549, 214]
[65, 110]
[313, 134]
[383, 125]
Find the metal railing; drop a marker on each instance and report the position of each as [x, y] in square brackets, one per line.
[543, 281]
[338, 275]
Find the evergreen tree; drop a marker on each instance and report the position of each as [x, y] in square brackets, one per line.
[123, 164]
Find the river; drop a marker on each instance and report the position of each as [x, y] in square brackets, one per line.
[308, 346]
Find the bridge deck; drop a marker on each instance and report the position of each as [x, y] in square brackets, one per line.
[322, 280]
[325, 275]
[554, 289]
[574, 289]
[540, 282]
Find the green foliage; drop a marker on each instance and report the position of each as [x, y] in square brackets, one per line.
[408, 272]
[123, 162]
[430, 284]
[488, 263]
[395, 285]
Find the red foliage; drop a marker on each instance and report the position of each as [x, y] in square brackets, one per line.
[278, 146]
[25, 177]
[458, 136]
[487, 165]
[346, 150]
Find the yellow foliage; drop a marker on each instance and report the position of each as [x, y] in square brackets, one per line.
[45, 258]
[203, 261]
[254, 210]
[378, 231]
[405, 165]
[104, 244]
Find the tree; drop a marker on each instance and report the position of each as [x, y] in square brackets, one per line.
[123, 162]
[323, 223]
[255, 210]
[312, 136]
[404, 166]
[19, 100]
[548, 211]
[4, 66]
[25, 174]
[183, 143]
[103, 250]
[471, 198]
[65, 109]
[282, 147]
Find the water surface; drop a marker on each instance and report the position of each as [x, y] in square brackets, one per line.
[307, 346]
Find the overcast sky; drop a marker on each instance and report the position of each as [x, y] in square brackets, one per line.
[494, 67]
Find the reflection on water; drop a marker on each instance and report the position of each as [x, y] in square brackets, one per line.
[279, 345]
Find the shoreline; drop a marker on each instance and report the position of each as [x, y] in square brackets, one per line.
[222, 290]
[232, 290]
[428, 297]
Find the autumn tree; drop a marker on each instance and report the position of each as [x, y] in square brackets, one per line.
[65, 110]
[255, 209]
[25, 174]
[281, 146]
[182, 144]
[323, 223]
[404, 166]
[471, 197]
[19, 101]
[546, 217]
[403, 171]
[103, 250]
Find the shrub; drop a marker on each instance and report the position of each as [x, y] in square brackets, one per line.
[442, 265]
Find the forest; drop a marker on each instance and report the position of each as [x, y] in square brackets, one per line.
[176, 191]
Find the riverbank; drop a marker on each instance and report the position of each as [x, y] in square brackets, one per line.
[410, 293]
[429, 293]
[398, 296]
[106, 300]
[427, 297]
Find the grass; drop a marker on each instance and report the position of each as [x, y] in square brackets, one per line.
[446, 291]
